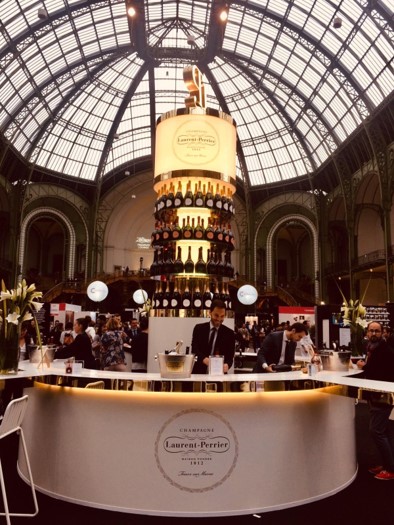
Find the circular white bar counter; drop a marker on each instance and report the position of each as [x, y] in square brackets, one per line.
[190, 453]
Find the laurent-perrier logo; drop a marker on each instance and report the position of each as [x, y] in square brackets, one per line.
[196, 450]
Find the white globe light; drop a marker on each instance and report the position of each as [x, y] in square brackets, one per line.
[97, 291]
[247, 294]
[140, 296]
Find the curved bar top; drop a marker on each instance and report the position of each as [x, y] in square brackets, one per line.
[348, 378]
[194, 454]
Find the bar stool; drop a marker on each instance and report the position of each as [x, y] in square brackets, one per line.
[11, 422]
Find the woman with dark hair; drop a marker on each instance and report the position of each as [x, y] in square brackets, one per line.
[80, 348]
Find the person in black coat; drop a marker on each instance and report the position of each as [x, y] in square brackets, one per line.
[221, 337]
[379, 366]
[80, 348]
[279, 348]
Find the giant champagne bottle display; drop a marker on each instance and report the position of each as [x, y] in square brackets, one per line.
[194, 179]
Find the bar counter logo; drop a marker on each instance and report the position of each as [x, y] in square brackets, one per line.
[196, 450]
[196, 142]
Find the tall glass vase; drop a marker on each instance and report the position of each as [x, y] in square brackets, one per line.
[9, 351]
[357, 337]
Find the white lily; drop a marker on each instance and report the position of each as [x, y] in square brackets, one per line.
[13, 318]
[37, 305]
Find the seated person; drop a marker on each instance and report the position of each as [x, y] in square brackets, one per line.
[80, 348]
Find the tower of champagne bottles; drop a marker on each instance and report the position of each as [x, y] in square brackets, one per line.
[195, 183]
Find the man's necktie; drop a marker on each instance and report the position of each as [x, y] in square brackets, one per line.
[211, 340]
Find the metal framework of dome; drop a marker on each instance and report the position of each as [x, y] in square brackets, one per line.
[82, 83]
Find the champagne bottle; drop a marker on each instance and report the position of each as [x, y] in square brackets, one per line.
[216, 293]
[178, 263]
[197, 297]
[229, 269]
[220, 268]
[155, 295]
[199, 230]
[189, 264]
[176, 297]
[199, 198]
[188, 200]
[170, 197]
[159, 297]
[167, 296]
[232, 240]
[223, 293]
[186, 296]
[163, 198]
[200, 266]
[166, 233]
[225, 202]
[209, 197]
[210, 232]
[153, 236]
[154, 265]
[218, 199]
[160, 262]
[178, 200]
[219, 237]
[187, 232]
[211, 265]
[230, 201]
[158, 234]
[176, 232]
[227, 299]
[168, 262]
[207, 297]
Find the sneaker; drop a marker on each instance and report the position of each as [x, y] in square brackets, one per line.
[385, 475]
[375, 470]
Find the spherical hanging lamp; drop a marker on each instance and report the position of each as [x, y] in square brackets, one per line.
[140, 296]
[97, 291]
[247, 294]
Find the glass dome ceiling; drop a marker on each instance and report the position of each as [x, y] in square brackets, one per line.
[82, 83]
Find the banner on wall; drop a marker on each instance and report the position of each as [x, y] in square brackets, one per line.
[296, 314]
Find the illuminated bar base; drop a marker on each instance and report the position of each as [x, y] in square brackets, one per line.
[189, 454]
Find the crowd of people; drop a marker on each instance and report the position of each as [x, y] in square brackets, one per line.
[100, 345]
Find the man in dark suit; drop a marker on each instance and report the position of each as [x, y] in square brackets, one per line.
[213, 338]
[379, 366]
[279, 348]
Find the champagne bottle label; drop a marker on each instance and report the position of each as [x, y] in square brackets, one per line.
[188, 201]
[177, 202]
[199, 201]
[174, 302]
[197, 303]
[187, 234]
[186, 302]
[168, 203]
[165, 302]
[199, 234]
[209, 202]
[208, 303]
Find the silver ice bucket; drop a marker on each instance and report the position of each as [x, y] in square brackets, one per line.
[335, 361]
[48, 352]
[175, 366]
